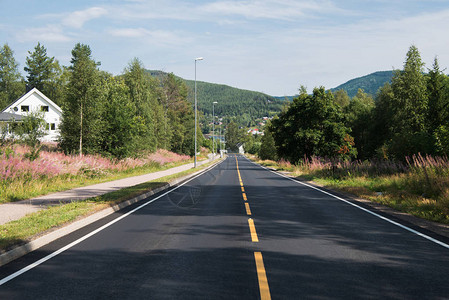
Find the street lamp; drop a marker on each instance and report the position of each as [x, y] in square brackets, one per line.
[196, 59]
[213, 127]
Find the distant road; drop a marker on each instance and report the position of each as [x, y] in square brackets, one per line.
[237, 231]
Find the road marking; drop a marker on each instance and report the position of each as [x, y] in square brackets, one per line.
[248, 211]
[243, 189]
[262, 276]
[252, 229]
[57, 252]
[244, 197]
[361, 208]
[238, 171]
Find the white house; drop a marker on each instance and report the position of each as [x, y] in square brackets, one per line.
[33, 101]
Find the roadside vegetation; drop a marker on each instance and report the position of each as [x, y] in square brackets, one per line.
[52, 171]
[392, 149]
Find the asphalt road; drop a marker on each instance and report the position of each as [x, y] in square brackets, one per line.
[205, 241]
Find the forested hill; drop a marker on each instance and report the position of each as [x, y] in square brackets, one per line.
[231, 101]
[369, 83]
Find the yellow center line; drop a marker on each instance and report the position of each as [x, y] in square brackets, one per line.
[248, 211]
[252, 229]
[261, 274]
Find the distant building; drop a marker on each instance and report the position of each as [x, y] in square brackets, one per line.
[34, 101]
[241, 149]
[255, 131]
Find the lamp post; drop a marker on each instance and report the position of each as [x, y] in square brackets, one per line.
[196, 59]
[213, 127]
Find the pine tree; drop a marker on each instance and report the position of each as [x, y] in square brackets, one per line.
[39, 68]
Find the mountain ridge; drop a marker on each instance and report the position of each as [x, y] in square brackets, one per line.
[369, 83]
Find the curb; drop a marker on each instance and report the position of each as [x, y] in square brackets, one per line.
[71, 227]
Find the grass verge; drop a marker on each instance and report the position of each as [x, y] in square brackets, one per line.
[405, 191]
[21, 231]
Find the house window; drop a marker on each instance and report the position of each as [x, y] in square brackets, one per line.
[25, 108]
[52, 126]
[44, 108]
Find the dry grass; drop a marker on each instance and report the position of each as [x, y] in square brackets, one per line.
[419, 187]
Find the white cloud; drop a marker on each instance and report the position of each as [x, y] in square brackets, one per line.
[215, 10]
[160, 37]
[269, 9]
[49, 33]
[78, 18]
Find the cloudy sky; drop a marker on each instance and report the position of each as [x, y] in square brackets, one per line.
[272, 46]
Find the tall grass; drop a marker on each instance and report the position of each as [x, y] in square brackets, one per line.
[21, 178]
[419, 186]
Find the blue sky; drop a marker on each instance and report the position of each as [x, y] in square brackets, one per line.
[272, 46]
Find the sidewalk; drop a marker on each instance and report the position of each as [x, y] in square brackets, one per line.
[16, 210]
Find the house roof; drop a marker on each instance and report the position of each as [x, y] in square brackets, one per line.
[27, 95]
[4, 116]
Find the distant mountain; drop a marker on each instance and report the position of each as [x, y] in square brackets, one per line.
[251, 105]
[369, 83]
[231, 101]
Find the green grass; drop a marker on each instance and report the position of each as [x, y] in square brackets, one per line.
[25, 229]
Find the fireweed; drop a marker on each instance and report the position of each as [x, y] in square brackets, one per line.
[16, 170]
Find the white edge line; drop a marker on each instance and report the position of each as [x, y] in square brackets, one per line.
[359, 207]
[74, 243]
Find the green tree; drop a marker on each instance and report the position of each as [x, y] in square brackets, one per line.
[30, 130]
[358, 117]
[381, 131]
[341, 98]
[11, 83]
[55, 87]
[39, 68]
[410, 93]
[437, 89]
[232, 136]
[410, 135]
[178, 116]
[267, 146]
[312, 126]
[81, 119]
[140, 86]
[122, 127]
